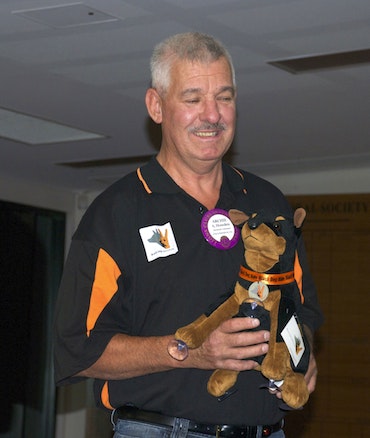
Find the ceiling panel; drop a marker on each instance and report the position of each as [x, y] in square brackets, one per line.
[94, 77]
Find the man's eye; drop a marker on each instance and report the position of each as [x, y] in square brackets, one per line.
[192, 100]
[225, 98]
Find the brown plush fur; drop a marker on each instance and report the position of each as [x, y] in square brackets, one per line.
[262, 251]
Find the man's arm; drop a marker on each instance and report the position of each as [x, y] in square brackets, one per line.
[227, 347]
[311, 374]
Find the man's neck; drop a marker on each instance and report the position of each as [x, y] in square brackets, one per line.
[202, 181]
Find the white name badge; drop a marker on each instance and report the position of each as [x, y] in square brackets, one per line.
[218, 229]
[158, 241]
[293, 339]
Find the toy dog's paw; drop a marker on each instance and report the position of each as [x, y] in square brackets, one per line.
[274, 364]
[294, 390]
[221, 381]
[188, 336]
[192, 334]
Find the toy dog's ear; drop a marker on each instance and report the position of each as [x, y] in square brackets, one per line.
[299, 217]
[238, 217]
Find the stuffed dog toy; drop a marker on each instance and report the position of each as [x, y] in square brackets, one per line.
[267, 289]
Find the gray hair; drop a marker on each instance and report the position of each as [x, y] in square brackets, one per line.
[190, 46]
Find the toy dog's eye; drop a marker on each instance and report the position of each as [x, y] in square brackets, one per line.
[276, 226]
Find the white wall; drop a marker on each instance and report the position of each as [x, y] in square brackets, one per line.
[23, 192]
[323, 182]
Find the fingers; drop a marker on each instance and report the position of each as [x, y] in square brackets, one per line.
[233, 346]
[239, 324]
[310, 378]
[311, 375]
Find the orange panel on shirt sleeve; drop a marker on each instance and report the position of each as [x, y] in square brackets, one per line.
[105, 396]
[298, 274]
[104, 287]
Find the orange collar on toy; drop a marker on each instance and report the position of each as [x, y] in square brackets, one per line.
[270, 279]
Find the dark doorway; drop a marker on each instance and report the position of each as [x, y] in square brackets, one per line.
[31, 263]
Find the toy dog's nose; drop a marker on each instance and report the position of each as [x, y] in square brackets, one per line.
[253, 224]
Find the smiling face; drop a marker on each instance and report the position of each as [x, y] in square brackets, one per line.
[197, 112]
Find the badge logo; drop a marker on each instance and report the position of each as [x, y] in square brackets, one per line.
[218, 229]
[258, 290]
[158, 241]
[161, 239]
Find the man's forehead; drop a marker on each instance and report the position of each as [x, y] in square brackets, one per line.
[192, 73]
[198, 90]
[221, 63]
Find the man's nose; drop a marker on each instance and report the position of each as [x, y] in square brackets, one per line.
[210, 112]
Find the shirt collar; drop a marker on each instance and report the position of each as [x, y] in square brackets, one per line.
[156, 180]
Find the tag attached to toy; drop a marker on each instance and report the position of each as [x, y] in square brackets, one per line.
[218, 229]
[258, 290]
[294, 341]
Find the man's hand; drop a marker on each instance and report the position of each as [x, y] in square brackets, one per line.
[231, 345]
[311, 375]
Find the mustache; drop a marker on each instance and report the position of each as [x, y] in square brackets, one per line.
[209, 127]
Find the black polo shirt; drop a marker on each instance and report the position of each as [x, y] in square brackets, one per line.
[120, 277]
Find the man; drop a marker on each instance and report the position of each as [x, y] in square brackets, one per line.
[140, 266]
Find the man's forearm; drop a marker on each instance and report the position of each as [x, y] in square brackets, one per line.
[130, 356]
[227, 347]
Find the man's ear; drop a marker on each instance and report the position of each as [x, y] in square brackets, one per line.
[154, 105]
